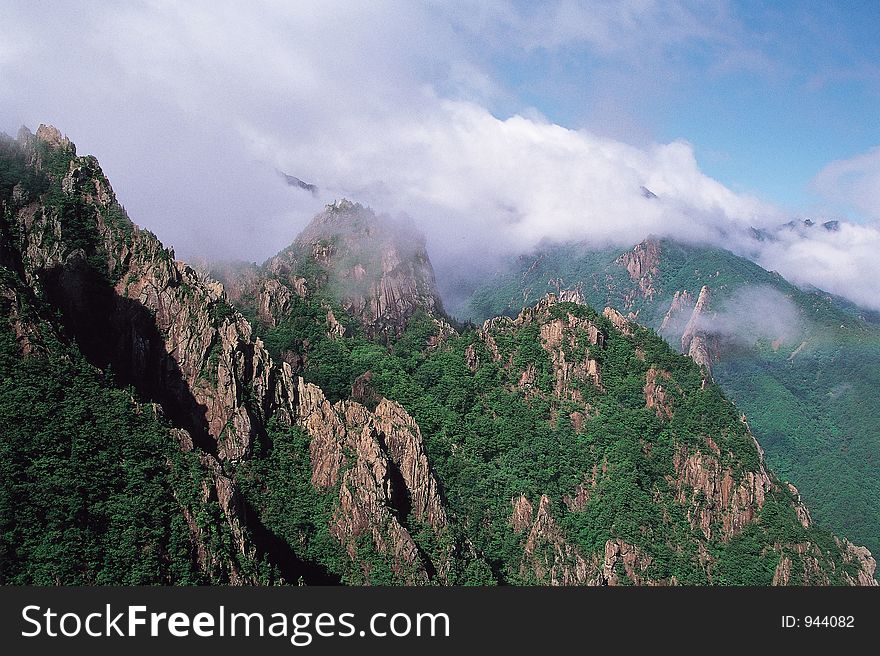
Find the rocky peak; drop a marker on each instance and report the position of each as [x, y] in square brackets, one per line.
[547, 556]
[678, 314]
[643, 264]
[52, 136]
[47, 139]
[375, 266]
[571, 341]
[696, 341]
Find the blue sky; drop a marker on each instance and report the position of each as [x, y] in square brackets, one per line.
[767, 96]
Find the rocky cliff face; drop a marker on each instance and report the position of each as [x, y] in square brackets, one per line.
[174, 336]
[550, 560]
[547, 556]
[716, 501]
[642, 264]
[377, 268]
[696, 341]
[377, 462]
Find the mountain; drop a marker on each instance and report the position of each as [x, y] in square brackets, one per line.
[804, 366]
[349, 273]
[149, 436]
[375, 268]
[240, 437]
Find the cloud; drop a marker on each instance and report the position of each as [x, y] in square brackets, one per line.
[522, 180]
[843, 262]
[853, 183]
[193, 107]
[756, 313]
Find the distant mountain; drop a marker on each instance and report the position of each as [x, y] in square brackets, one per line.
[149, 436]
[293, 181]
[803, 365]
[374, 267]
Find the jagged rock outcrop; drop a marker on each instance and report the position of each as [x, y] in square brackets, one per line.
[370, 266]
[550, 560]
[696, 341]
[622, 555]
[655, 393]
[255, 291]
[810, 569]
[49, 135]
[376, 267]
[562, 337]
[800, 509]
[861, 560]
[570, 296]
[523, 512]
[403, 439]
[642, 264]
[274, 302]
[620, 322]
[223, 490]
[717, 500]
[547, 557]
[565, 372]
[384, 483]
[241, 280]
[802, 564]
[677, 316]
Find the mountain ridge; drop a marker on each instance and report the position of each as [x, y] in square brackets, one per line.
[558, 447]
[798, 361]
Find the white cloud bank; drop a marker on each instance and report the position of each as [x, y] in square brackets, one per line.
[191, 107]
[853, 182]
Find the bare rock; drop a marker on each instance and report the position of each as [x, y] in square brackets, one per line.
[521, 519]
[620, 322]
[714, 498]
[677, 316]
[548, 557]
[274, 302]
[800, 508]
[862, 559]
[696, 342]
[642, 264]
[655, 393]
[378, 267]
[387, 452]
[619, 553]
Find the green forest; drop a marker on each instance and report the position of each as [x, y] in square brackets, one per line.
[810, 398]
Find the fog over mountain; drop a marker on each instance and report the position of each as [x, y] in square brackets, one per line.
[193, 109]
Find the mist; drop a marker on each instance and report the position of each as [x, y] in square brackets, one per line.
[753, 314]
[192, 109]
